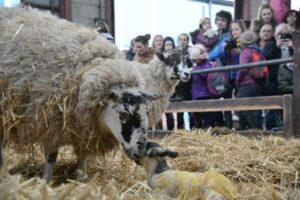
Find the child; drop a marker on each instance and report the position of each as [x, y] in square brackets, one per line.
[198, 55]
[204, 35]
[249, 81]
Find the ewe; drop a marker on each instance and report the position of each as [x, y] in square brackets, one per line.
[159, 77]
[181, 184]
[56, 79]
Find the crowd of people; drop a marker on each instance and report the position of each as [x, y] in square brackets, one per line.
[232, 43]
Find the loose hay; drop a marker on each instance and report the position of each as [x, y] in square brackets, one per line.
[262, 168]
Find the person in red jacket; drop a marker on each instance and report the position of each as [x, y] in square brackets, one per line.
[249, 84]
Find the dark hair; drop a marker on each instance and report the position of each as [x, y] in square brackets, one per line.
[289, 13]
[224, 14]
[144, 39]
[167, 38]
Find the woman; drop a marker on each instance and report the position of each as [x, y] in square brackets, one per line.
[230, 56]
[168, 44]
[292, 18]
[157, 42]
[144, 53]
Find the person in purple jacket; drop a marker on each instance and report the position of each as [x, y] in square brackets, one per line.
[198, 55]
[205, 35]
[247, 84]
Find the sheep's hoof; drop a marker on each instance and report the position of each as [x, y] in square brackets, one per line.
[47, 178]
[82, 177]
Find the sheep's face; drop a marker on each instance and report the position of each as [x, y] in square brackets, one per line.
[126, 115]
[176, 65]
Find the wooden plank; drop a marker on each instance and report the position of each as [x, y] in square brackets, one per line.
[288, 116]
[254, 103]
[297, 88]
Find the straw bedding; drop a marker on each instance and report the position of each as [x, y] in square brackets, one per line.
[262, 168]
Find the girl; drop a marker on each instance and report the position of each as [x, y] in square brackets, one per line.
[200, 91]
[248, 84]
[265, 16]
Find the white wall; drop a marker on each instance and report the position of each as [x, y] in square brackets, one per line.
[166, 17]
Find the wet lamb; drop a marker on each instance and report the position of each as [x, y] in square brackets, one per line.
[182, 184]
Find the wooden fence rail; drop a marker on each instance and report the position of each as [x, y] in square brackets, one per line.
[284, 102]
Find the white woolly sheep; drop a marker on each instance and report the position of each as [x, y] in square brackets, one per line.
[41, 71]
[160, 77]
[182, 184]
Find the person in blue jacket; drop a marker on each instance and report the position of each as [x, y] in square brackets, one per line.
[223, 20]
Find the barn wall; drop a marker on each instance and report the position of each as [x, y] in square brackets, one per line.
[87, 12]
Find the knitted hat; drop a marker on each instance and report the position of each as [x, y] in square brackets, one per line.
[247, 38]
[198, 51]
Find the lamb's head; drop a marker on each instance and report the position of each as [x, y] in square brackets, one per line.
[154, 160]
[176, 67]
[126, 115]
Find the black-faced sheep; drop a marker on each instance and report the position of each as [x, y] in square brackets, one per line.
[182, 184]
[160, 77]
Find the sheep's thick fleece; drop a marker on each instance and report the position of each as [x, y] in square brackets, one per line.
[42, 60]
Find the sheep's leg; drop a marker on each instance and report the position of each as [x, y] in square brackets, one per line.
[50, 159]
[81, 170]
[1, 154]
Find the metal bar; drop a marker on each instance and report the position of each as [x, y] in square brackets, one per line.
[243, 66]
[253, 103]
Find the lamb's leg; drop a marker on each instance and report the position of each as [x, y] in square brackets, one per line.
[81, 170]
[50, 159]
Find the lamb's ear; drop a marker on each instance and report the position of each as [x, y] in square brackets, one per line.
[172, 154]
[161, 56]
[155, 150]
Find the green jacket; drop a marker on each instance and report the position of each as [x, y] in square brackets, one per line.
[285, 79]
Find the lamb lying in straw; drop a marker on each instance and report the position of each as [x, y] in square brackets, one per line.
[181, 184]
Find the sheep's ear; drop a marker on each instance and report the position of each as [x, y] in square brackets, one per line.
[151, 97]
[161, 56]
[113, 95]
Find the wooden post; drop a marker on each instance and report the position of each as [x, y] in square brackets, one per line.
[66, 9]
[288, 116]
[110, 15]
[297, 87]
